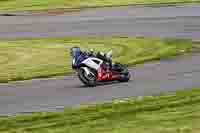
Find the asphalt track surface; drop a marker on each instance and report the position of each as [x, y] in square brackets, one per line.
[177, 22]
[149, 79]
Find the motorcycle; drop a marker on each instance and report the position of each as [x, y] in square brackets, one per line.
[93, 69]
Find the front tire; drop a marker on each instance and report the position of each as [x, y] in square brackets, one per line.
[85, 79]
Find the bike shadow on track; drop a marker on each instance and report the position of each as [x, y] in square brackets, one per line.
[103, 84]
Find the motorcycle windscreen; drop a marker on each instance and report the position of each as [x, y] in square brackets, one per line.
[75, 52]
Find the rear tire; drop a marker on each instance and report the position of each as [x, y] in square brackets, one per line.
[86, 80]
[125, 77]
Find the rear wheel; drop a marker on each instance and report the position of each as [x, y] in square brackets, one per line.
[88, 80]
[125, 77]
[124, 73]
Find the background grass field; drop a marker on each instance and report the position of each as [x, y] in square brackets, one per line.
[27, 59]
[13, 5]
[177, 113]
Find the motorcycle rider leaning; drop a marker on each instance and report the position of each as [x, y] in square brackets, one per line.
[106, 57]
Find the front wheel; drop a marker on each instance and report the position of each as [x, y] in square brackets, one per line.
[88, 80]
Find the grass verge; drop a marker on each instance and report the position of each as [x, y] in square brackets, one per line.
[17, 5]
[177, 113]
[27, 59]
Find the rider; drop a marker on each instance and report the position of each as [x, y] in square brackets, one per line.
[106, 57]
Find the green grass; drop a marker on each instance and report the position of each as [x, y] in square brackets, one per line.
[27, 59]
[13, 5]
[177, 113]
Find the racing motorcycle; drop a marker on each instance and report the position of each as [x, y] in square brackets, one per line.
[92, 69]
